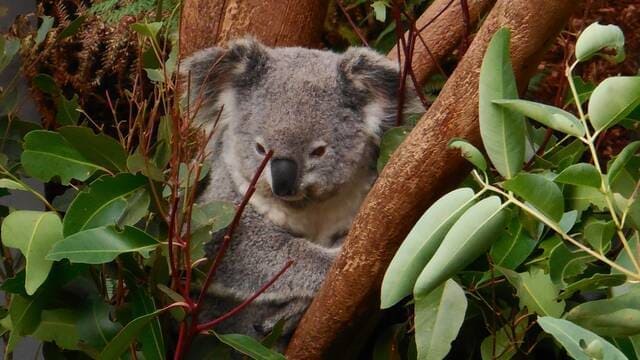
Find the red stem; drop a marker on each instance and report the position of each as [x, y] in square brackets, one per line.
[208, 325]
[353, 25]
[231, 229]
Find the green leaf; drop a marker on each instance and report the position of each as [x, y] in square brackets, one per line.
[151, 339]
[391, 139]
[43, 30]
[536, 292]
[137, 162]
[580, 343]
[438, 318]
[623, 257]
[102, 203]
[598, 37]
[48, 154]
[121, 341]
[149, 30]
[595, 282]
[565, 264]
[582, 197]
[217, 214]
[540, 192]
[580, 174]
[421, 243]
[507, 342]
[514, 245]
[621, 161]
[102, 245]
[469, 152]
[137, 208]
[72, 28]
[67, 110]
[10, 47]
[178, 313]
[501, 129]
[99, 148]
[59, 326]
[46, 84]
[550, 116]
[12, 184]
[249, 346]
[612, 100]
[598, 234]
[94, 324]
[380, 10]
[24, 313]
[468, 238]
[617, 316]
[34, 233]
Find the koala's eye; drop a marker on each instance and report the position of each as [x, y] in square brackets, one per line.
[260, 149]
[319, 151]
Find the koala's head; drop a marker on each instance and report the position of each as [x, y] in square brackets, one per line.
[321, 113]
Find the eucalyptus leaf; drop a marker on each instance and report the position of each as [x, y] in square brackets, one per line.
[99, 148]
[514, 245]
[101, 245]
[121, 341]
[390, 141]
[621, 160]
[595, 282]
[421, 243]
[34, 233]
[67, 110]
[565, 265]
[59, 326]
[149, 30]
[43, 30]
[617, 316]
[94, 324]
[438, 318]
[469, 152]
[249, 346]
[580, 174]
[598, 234]
[10, 47]
[612, 100]
[72, 28]
[48, 154]
[540, 192]
[24, 313]
[469, 237]
[547, 115]
[535, 291]
[101, 203]
[577, 340]
[151, 339]
[501, 129]
[596, 38]
[12, 184]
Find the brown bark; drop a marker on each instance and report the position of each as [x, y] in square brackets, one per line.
[418, 172]
[444, 30]
[276, 23]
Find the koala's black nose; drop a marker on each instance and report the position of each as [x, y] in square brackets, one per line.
[284, 173]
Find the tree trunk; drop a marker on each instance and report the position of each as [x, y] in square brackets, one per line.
[276, 23]
[419, 172]
[444, 27]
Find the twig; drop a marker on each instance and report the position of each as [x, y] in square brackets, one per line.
[353, 25]
[208, 325]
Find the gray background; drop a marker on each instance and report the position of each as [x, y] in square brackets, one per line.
[28, 348]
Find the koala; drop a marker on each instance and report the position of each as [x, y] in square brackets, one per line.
[322, 114]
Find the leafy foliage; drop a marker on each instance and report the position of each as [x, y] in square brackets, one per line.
[559, 226]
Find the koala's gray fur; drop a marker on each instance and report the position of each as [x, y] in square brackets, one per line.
[292, 101]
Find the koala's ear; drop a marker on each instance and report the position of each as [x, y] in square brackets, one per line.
[208, 73]
[368, 72]
[370, 82]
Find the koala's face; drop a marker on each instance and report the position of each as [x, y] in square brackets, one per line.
[320, 113]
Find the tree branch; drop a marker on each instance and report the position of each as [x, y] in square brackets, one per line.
[441, 29]
[419, 171]
[276, 23]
